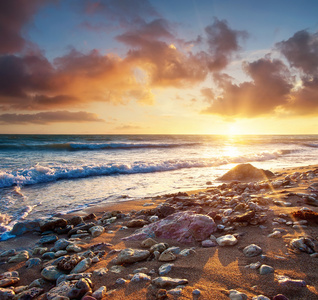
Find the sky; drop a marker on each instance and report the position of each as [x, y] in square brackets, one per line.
[158, 67]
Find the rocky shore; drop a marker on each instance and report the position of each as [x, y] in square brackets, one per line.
[254, 236]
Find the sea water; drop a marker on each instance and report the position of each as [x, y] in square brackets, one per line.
[41, 175]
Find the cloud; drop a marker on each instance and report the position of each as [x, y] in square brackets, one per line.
[301, 50]
[222, 42]
[269, 90]
[45, 118]
[14, 15]
[31, 82]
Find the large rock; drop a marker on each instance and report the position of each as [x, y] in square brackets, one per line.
[52, 223]
[303, 244]
[26, 226]
[185, 227]
[131, 256]
[246, 172]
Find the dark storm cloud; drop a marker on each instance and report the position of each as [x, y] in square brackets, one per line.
[269, 89]
[14, 15]
[44, 118]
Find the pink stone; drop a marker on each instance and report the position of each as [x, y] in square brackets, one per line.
[184, 227]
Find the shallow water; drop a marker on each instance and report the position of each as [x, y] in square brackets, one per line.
[41, 175]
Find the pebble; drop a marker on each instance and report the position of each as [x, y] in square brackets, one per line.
[208, 243]
[254, 266]
[82, 266]
[158, 247]
[140, 270]
[196, 292]
[121, 281]
[100, 272]
[51, 273]
[165, 269]
[227, 240]
[129, 255]
[236, 295]
[6, 294]
[61, 244]
[20, 256]
[96, 230]
[276, 234]
[100, 293]
[266, 269]
[286, 281]
[29, 294]
[33, 262]
[117, 269]
[175, 292]
[48, 239]
[186, 252]
[8, 281]
[252, 250]
[148, 243]
[167, 256]
[163, 281]
[260, 297]
[140, 277]
[10, 252]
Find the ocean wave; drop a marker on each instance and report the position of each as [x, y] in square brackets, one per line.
[311, 145]
[72, 146]
[44, 174]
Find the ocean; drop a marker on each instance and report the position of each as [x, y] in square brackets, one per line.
[41, 175]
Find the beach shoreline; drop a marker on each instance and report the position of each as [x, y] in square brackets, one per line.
[214, 271]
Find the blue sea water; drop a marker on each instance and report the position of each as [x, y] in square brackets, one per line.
[41, 175]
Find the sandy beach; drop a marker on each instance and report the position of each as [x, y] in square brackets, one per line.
[211, 270]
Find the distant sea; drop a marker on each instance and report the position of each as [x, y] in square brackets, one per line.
[41, 175]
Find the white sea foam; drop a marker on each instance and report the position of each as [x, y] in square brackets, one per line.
[42, 174]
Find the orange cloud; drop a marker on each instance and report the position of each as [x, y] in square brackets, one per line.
[268, 91]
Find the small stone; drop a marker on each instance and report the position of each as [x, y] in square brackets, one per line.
[40, 282]
[196, 292]
[167, 256]
[148, 243]
[175, 250]
[48, 255]
[61, 290]
[9, 281]
[100, 272]
[168, 282]
[252, 250]
[208, 243]
[260, 297]
[82, 266]
[158, 247]
[276, 234]
[121, 281]
[265, 269]
[129, 255]
[100, 293]
[48, 239]
[136, 223]
[186, 252]
[236, 295]
[117, 269]
[153, 219]
[39, 250]
[10, 252]
[68, 263]
[226, 240]
[280, 297]
[61, 244]
[32, 293]
[253, 266]
[165, 269]
[141, 270]
[20, 256]
[74, 248]
[60, 253]
[288, 282]
[33, 262]
[140, 277]
[175, 292]
[6, 294]
[96, 230]
[95, 259]
[51, 273]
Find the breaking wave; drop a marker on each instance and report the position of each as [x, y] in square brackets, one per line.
[43, 174]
